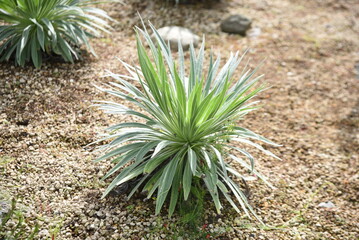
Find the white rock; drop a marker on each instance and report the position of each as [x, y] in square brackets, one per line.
[173, 34]
[254, 32]
[44, 233]
[326, 205]
[249, 178]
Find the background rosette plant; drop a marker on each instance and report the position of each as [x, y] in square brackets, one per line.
[187, 125]
[48, 26]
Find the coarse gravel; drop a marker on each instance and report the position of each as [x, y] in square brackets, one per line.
[312, 109]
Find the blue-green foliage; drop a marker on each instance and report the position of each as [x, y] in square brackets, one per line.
[190, 125]
[59, 27]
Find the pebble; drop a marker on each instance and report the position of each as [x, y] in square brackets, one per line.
[328, 204]
[254, 32]
[44, 233]
[250, 178]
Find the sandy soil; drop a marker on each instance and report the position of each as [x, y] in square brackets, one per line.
[312, 109]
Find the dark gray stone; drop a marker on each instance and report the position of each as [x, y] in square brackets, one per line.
[237, 24]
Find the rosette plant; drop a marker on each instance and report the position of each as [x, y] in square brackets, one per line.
[60, 27]
[187, 128]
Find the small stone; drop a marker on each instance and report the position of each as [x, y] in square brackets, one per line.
[254, 32]
[173, 34]
[261, 5]
[100, 215]
[290, 74]
[237, 24]
[326, 205]
[250, 178]
[44, 233]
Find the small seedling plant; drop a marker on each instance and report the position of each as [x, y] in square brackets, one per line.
[48, 27]
[188, 122]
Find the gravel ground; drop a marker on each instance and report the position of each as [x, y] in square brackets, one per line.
[312, 109]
